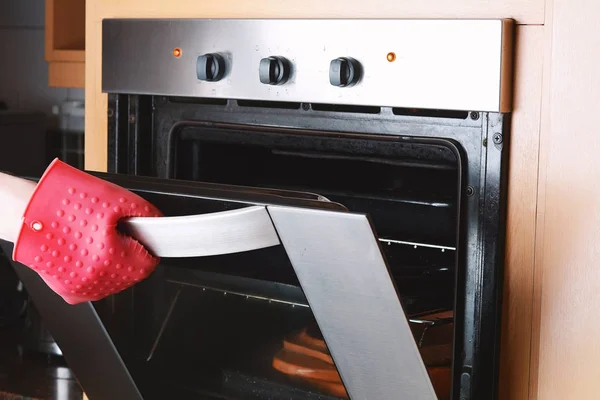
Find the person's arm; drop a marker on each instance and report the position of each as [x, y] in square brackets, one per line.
[14, 196]
[64, 228]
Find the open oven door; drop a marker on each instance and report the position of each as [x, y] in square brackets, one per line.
[114, 346]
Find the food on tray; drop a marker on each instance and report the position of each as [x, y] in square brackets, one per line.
[302, 343]
[305, 357]
[298, 364]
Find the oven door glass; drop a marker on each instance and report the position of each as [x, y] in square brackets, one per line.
[319, 316]
[257, 324]
[408, 188]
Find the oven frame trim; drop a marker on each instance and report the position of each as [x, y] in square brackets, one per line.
[482, 140]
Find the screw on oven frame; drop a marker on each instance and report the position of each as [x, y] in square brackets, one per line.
[474, 115]
[497, 138]
[111, 112]
[131, 119]
[470, 191]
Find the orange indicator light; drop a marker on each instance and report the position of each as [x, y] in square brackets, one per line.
[177, 52]
[391, 56]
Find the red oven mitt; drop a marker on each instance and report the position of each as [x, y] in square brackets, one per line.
[69, 235]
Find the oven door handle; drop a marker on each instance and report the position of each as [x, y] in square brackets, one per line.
[211, 234]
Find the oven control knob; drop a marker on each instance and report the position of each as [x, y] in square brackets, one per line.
[210, 67]
[344, 72]
[274, 70]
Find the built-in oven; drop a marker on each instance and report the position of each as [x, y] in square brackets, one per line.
[334, 193]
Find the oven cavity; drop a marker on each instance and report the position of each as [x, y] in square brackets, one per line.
[402, 167]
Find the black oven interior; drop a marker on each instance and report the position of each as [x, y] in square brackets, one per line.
[224, 327]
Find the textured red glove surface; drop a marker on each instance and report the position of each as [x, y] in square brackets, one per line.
[69, 235]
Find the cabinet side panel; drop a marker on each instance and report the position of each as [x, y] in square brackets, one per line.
[521, 218]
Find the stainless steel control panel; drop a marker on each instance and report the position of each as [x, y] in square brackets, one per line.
[431, 64]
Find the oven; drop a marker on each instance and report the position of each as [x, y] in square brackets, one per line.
[334, 193]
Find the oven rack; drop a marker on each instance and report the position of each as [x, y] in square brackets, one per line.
[423, 162]
[421, 324]
[417, 319]
[341, 196]
[273, 292]
[440, 210]
[215, 373]
[412, 263]
[416, 245]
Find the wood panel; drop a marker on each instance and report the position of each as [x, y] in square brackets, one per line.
[522, 193]
[528, 12]
[68, 56]
[69, 24]
[65, 30]
[539, 232]
[66, 74]
[569, 353]
[65, 42]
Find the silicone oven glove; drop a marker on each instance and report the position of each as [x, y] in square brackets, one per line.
[69, 235]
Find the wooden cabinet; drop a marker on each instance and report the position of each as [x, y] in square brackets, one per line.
[518, 336]
[552, 279]
[65, 43]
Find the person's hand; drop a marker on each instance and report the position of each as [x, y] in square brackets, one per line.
[68, 234]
